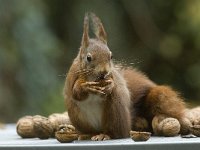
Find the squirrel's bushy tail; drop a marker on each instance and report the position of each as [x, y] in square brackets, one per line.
[164, 100]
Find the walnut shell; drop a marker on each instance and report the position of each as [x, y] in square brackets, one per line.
[42, 127]
[65, 138]
[25, 127]
[66, 133]
[68, 128]
[140, 136]
[59, 119]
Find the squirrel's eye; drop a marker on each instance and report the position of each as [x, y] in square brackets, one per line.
[89, 58]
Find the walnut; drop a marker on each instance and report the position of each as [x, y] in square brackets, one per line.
[185, 126]
[58, 119]
[163, 125]
[193, 115]
[42, 127]
[140, 136]
[195, 130]
[66, 133]
[25, 127]
[34, 126]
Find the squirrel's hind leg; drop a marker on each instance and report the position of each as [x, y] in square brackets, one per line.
[139, 124]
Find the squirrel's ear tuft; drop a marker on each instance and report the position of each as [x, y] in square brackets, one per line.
[85, 38]
[98, 28]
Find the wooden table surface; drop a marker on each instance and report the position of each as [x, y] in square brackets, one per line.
[10, 140]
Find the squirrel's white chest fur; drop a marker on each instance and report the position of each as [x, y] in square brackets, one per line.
[92, 109]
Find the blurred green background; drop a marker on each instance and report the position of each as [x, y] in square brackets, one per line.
[40, 38]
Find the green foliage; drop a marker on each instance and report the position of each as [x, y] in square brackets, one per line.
[40, 38]
[29, 51]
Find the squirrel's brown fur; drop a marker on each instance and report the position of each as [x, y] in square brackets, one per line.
[149, 100]
[125, 100]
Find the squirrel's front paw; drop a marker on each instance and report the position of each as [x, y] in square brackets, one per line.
[109, 87]
[100, 137]
[102, 88]
[93, 87]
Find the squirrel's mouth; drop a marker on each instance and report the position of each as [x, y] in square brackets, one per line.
[103, 75]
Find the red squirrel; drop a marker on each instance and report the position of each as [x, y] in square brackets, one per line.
[107, 101]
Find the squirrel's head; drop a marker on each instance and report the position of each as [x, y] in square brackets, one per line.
[94, 54]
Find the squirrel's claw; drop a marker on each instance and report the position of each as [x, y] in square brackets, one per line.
[96, 88]
[100, 137]
[108, 81]
[96, 91]
[90, 84]
[93, 87]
